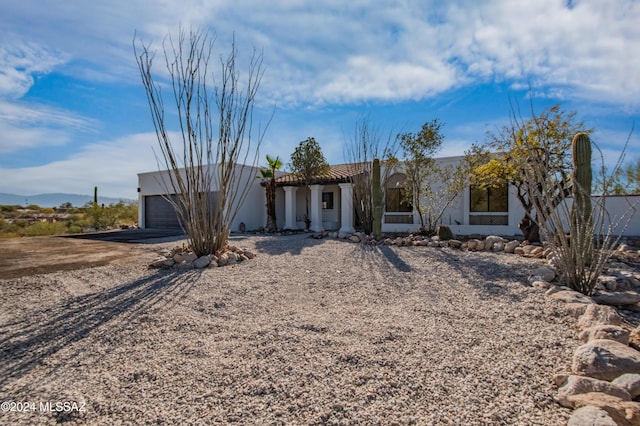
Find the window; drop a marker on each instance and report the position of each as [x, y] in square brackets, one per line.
[489, 200]
[394, 196]
[327, 200]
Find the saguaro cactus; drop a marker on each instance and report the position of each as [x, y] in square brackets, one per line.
[95, 196]
[581, 227]
[581, 154]
[376, 198]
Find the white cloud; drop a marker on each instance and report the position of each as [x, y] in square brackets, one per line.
[110, 165]
[24, 125]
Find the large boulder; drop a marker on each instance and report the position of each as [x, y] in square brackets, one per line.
[591, 416]
[605, 359]
[575, 385]
[599, 315]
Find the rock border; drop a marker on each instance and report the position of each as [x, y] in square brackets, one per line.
[183, 259]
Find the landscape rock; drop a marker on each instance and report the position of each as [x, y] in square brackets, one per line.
[519, 251]
[493, 239]
[545, 273]
[599, 315]
[618, 298]
[454, 243]
[498, 247]
[342, 235]
[634, 338]
[354, 239]
[629, 382]
[472, 244]
[543, 285]
[184, 257]
[623, 413]
[575, 385]
[591, 416]
[569, 296]
[576, 310]
[202, 262]
[609, 332]
[511, 246]
[605, 359]
[223, 259]
[158, 263]
[184, 265]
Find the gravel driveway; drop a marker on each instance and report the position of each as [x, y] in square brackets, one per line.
[308, 332]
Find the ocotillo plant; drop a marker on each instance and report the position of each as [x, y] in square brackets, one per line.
[95, 196]
[376, 199]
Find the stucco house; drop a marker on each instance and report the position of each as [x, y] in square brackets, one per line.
[493, 211]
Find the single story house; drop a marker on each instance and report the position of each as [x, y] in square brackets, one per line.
[493, 211]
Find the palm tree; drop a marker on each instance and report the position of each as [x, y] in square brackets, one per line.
[269, 173]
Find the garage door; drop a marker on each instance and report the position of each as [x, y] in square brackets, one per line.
[159, 213]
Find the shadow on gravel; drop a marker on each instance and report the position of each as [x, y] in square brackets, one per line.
[292, 244]
[27, 343]
[389, 255]
[482, 273]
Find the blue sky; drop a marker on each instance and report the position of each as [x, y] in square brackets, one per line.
[73, 113]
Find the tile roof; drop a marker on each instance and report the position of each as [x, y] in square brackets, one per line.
[337, 174]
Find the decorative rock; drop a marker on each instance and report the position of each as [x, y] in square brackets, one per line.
[592, 416]
[619, 298]
[605, 359]
[202, 262]
[498, 247]
[184, 265]
[519, 251]
[623, 413]
[608, 282]
[511, 246]
[342, 235]
[481, 246]
[543, 285]
[576, 310]
[575, 385]
[545, 273]
[333, 234]
[454, 243]
[528, 249]
[537, 252]
[625, 247]
[433, 244]
[599, 315]
[630, 383]
[158, 263]
[184, 257]
[493, 239]
[317, 235]
[169, 262]
[609, 332]
[634, 338]
[354, 239]
[472, 244]
[570, 296]
[249, 254]
[223, 259]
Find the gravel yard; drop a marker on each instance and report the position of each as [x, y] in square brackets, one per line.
[308, 332]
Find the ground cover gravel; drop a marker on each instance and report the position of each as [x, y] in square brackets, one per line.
[308, 332]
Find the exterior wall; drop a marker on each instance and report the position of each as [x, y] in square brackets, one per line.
[331, 217]
[253, 212]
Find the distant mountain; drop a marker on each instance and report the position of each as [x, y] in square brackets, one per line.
[55, 200]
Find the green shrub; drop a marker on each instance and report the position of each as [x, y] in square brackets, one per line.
[45, 228]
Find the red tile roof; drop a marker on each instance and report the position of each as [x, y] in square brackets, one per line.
[336, 174]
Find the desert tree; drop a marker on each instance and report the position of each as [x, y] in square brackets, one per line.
[307, 163]
[520, 146]
[268, 175]
[215, 148]
[366, 144]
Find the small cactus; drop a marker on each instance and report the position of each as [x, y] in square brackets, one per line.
[376, 199]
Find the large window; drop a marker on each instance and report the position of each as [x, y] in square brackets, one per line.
[394, 196]
[489, 200]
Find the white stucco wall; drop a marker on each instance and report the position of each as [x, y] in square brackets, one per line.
[252, 212]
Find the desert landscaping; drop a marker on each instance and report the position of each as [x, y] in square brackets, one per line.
[309, 331]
